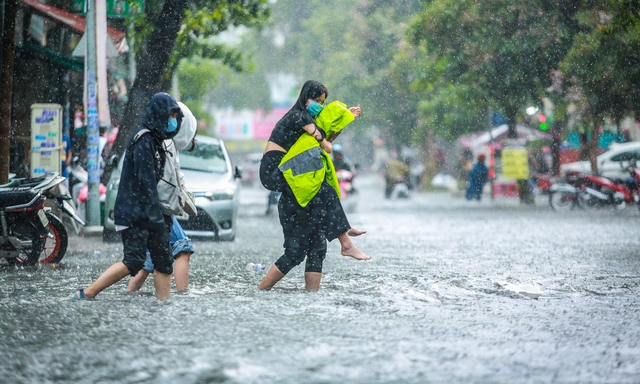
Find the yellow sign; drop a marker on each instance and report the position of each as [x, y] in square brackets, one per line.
[515, 163]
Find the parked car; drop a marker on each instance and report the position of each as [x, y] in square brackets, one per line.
[208, 174]
[612, 164]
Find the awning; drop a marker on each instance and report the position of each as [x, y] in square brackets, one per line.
[498, 133]
[76, 22]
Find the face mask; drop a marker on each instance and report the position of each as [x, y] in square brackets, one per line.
[173, 124]
[314, 108]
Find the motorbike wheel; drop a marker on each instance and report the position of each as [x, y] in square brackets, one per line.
[28, 230]
[588, 202]
[56, 242]
[562, 201]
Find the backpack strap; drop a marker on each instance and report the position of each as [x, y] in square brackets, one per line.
[140, 134]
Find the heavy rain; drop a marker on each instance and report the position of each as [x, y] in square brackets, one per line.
[453, 198]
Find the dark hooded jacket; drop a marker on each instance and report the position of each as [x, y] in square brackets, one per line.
[289, 129]
[137, 203]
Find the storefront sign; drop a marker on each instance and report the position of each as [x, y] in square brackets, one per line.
[46, 132]
[515, 163]
[115, 8]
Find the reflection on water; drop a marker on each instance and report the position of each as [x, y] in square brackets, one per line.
[425, 309]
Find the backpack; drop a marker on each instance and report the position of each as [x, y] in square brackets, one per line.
[170, 193]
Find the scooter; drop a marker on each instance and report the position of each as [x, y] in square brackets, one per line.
[563, 195]
[600, 191]
[25, 223]
[347, 191]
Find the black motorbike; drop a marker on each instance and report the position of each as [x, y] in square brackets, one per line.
[29, 233]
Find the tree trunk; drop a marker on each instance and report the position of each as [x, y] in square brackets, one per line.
[511, 113]
[6, 86]
[428, 158]
[592, 149]
[151, 65]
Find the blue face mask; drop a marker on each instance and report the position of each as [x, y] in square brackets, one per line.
[173, 124]
[314, 108]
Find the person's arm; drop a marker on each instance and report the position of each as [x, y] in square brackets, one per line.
[68, 160]
[317, 133]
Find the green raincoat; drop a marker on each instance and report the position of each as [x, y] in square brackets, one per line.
[307, 165]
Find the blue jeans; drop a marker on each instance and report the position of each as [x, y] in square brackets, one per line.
[179, 240]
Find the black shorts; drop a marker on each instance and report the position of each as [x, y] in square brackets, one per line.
[136, 241]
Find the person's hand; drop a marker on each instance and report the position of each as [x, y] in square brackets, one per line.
[334, 136]
[356, 111]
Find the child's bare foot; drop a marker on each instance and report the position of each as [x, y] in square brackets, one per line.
[353, 251]
[353, 232]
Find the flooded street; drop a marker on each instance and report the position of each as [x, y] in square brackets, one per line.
[426, 308]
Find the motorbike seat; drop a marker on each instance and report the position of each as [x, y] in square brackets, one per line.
[16, 196]
[25, 182]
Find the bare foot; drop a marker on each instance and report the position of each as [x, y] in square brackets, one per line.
[354, 252]
[355, 232]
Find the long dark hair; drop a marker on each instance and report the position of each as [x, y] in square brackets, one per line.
[310, 90]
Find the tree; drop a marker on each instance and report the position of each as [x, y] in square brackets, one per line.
[167, 32]
[603, 66]
[507, 49]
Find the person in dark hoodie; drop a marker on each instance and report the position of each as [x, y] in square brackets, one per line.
[307, 229]
[137, 212]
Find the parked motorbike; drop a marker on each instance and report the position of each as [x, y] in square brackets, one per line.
[563, 195]
[600, 191]
[63, 206]
[26, 226]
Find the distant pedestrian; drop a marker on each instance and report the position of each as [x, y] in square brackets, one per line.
[478, 176]
[138, 214]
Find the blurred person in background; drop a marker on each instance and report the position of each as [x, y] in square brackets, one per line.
[395, 171]
[478, 176]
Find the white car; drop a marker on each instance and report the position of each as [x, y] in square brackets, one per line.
[612, 163]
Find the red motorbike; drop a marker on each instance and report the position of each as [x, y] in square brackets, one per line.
[347, 192]
[564, 195]
[599, 191]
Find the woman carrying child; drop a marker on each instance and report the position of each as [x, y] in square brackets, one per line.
[306, 229]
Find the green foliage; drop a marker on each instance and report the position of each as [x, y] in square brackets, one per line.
[505, 49]
[202, 20]
[604, 63]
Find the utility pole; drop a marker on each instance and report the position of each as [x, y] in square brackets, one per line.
[6, 85]
[93, 125]
[492, 160]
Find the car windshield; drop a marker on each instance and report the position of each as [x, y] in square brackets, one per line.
[205, 158]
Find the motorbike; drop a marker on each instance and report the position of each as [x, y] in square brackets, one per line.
[563, 195]
[600, 191]
[347, 191]
[29, 233]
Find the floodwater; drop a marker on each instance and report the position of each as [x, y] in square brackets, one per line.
[426, 308]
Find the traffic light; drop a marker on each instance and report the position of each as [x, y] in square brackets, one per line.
[543, 122]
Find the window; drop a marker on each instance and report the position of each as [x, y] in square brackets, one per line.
[204, 158]
[626, 156]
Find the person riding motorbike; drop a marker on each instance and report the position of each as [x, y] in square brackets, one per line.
[340, 161]
[395, 171]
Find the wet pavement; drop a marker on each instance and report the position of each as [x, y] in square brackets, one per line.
[426, 308]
